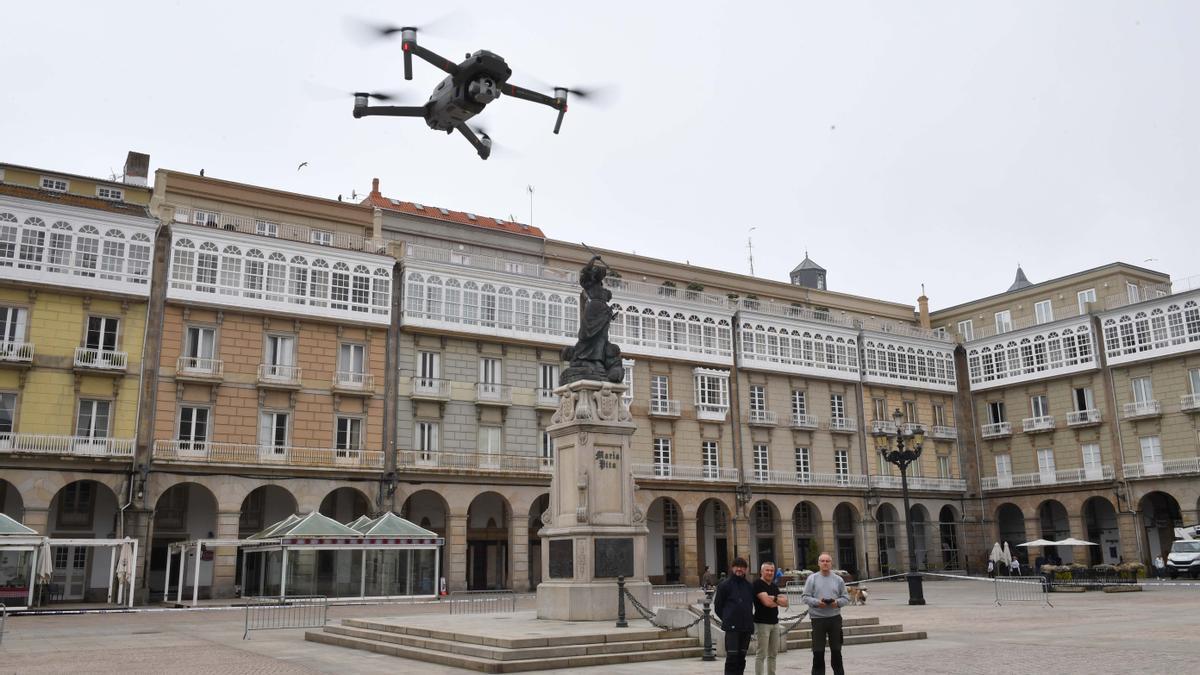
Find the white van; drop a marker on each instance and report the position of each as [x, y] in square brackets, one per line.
[1184, 558]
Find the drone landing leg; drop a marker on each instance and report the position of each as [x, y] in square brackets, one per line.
[483, 148]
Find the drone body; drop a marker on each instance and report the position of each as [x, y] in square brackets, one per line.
[468, 88]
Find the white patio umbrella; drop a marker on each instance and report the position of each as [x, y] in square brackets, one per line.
[1006, 555]
[125, 563]
[1038, 542]
[1072, 541]
[45, 568]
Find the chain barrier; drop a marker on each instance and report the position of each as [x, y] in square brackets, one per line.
[795, 623]
[649, 616]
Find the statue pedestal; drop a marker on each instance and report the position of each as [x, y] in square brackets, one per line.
[593, 532]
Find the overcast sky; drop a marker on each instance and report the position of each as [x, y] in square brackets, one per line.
[898, 142]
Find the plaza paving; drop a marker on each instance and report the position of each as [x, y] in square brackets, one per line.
[1154, 631]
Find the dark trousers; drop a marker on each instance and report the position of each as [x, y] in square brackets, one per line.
[827, 630]
[736, 645]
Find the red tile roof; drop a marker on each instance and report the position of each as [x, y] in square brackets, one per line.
[69, 199]
[436, 213]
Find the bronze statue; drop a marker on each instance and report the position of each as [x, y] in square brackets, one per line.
[593, 357]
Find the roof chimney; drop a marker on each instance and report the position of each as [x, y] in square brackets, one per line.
[137, 168]
[923, 308]
[375, 188]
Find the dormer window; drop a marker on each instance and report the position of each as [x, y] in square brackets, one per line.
[110, 193]
[54, 184]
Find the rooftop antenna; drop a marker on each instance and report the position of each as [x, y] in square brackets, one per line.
[529, 189]
[750, 248]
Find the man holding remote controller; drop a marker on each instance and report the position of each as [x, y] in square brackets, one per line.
[825, 594]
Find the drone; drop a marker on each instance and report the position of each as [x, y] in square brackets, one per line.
[469, 86]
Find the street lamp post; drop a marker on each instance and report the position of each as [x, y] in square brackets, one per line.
[905, 451]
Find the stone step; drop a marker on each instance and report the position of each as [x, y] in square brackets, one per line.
[627, 635]
[506, 654]
[805, 633]
[493, 666]
[873, 638]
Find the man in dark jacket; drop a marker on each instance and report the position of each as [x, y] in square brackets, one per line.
[734, 606]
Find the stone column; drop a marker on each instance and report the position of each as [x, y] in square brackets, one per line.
[456, 549]
[1130, 534]
[689, 551]
[518, 551]
[595, 532]
[225, 557]
[785, 547]
[1079, 554]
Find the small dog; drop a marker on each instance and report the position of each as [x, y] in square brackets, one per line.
[858, 595]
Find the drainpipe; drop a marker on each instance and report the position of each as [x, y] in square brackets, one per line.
[1116, 430]
[735, 416]
[862, 453]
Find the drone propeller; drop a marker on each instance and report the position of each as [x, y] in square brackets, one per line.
[377, 95]
[323, 92]
[447, 22]
[504, 150]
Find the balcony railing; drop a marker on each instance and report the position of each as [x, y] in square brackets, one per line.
[1190, 402]
[680, 472]
[237, 453]
[490, 263]
[921, 483]
[949, 433]
[1059, 477]
[77, 446]
[711, 413]
[474, 461]
[883, 427]
[997, 430]
[492, 393]
[842, 424]
[1036, 424]
[354, 380]
[662, 407]
[16, 352]
[291, 232]
[546, 398]
[1142, 409]
[818, 479]
[804, 421]
[1163, 468]
[100, 359]
[269, 373]
[762, 417]
[195, 366]
[1083, 418]
[430, 387]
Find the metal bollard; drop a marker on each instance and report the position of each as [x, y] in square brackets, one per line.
[621, 622]
[709, 653]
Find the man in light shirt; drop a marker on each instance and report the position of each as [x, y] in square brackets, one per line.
[825, 594]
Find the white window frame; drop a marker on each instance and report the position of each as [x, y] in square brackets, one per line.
[1093, 462]
[491, 370]
[490, 441]
[710, 458]
[266, 228]
[799, 402]
[1133, 292]
[425, 439]
[1039, 405]
[14, 323]
[944, 469]
[841, 466]
[55, 184]
[321, 237]
[662, 456]
[8, 411]
[107, 325]
[627, 380]
[1143, 389]
[966, 329]
[429, 365]
[546, 449]
[1083, 298]
[803, 458]
[352, 359]
[1194, 381]
[90, 408]
[1046, 466]
[758, 398]
[762, 461]
[110, 193]
[268, 431]
[1043, 312]
[548, 376]
[1151, 453]
[1004, 469]
[1003, 321]
[1089, 400]
[837, 407]
[185, 432]
[348, 435]
[279, 350]
[660, 392]
[939, 415]
[712, 388]
[993, 408]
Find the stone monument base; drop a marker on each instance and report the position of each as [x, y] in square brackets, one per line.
[587, 601]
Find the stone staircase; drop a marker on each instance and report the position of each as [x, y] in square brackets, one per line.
[508, 655]
[545, 648]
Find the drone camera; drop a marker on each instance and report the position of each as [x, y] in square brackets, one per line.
[483, 90]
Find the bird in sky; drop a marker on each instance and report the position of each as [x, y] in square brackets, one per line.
[302, 165]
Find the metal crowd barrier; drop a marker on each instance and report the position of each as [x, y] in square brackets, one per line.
[1021, 589]
[670, 595]
[293, 611]
[483, 602]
